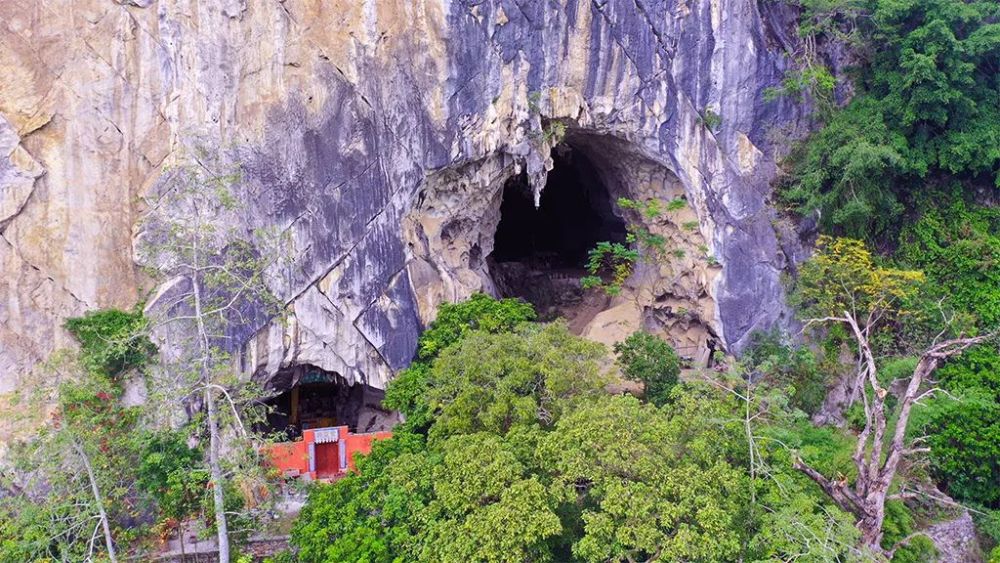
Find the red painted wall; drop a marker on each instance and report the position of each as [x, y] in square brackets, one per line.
[289, 456]
[294, 456]
[362, 443]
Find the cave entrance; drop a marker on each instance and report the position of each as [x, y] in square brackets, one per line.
[309, 397]
[539, 254]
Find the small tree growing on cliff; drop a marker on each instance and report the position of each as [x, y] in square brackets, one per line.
[610, 264]
[192, 233]
[842, 285]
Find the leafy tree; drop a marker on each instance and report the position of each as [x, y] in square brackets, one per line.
[526, 458]
[842, 284]
[955, 241]
[494, 382]
[481, 487]
[843, 278]
[407, 392]
[484, 390]
[651, 361]
[790, 367]
[217, 279]
[77, 470]
[372, 515]
[846, 170]
[70, 496]
[612, 259]
[170, 472]
[479, 312]
[648, 491]
[926, 107]
[957, 244]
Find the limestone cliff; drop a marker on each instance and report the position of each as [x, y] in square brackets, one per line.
[378, 134]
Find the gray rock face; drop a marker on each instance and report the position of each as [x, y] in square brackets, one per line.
[379, 134]
[956, 539]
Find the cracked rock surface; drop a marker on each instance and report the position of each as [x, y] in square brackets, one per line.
[349, 118]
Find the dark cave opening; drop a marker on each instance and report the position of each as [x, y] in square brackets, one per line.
[574, 214]
[540, 254]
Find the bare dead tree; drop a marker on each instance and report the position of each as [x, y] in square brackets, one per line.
[842, 284]
[876, 455]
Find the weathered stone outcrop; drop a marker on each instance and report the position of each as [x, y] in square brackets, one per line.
[354, 121]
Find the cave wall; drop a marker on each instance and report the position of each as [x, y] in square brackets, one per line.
[346, 117]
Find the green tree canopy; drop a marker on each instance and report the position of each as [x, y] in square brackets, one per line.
[525, 457]
[926, 105]
[645, 358]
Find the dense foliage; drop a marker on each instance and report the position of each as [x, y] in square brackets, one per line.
[926, 106]
[170, 472]
[112, 341]
[797, 369]
[525, 457]
[911, 162]
[94, 460]
[479, 312]
[963, 429]
[53, 511]
[957, 244]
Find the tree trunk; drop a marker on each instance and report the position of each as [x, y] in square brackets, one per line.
[222, 529]
[215, 468]
[108, 541]
[871, 529]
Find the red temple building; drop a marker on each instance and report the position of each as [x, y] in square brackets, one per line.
[327, 422]
[322, 453]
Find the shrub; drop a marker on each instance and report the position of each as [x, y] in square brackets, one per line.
[480, 312]
[964, 437]
[898, 523]
[786, 366]
[651, 361]
[112, 341]
[920, 549]
[168, 472]
[957, 244]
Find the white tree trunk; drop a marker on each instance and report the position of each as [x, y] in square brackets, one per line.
[215, 468]
[222, 529]
[102, 514]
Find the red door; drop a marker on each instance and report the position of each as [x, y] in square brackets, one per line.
[327, 460]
